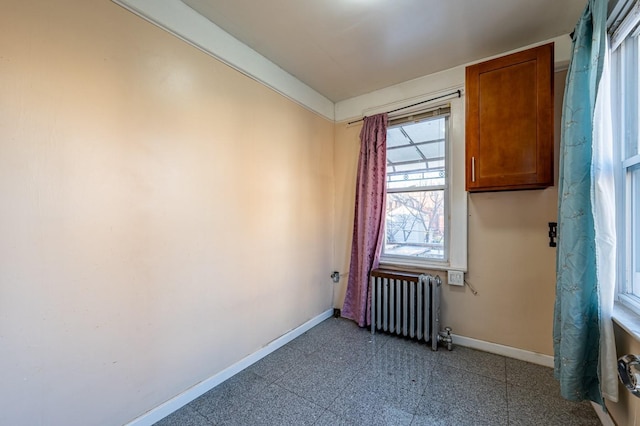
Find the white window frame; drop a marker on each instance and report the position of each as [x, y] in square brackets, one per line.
[418, 261]
[455, 203]
[628, 246]
[626, 164]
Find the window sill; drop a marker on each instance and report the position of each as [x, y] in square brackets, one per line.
[418, 267]
[428, 268]
[627, 319]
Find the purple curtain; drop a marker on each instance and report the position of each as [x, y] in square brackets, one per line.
[368, 222]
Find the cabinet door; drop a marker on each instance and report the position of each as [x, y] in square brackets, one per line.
[509, 122]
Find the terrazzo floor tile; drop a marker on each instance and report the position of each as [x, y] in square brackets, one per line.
[532, 408]
[186, 416]
[474, 393]
[375, 415]
[408, 367]
[478, 362]
[327, 333]
[356, 356]
[231, 400]
[410, 377]
[318, 381]
[232, 411]
[309, 342]
[431, 412]
[278, 406]
[335, 328]
[532, 376]
[369, 390]
[330, 419]
[405, 348]
[339, 374]
[375, 419]
[357, 348]
[278, 363]
[243, 383]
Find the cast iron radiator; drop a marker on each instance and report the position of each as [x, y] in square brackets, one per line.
[406, 304]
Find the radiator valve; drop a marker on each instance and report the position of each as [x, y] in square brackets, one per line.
[445, 338]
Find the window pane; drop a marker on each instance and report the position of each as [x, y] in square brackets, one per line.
[423, 131]
[395, 137]
[635, 230]
[415, 224]
[408, 179]
[416, 154]
[405, 154]
[631, 92]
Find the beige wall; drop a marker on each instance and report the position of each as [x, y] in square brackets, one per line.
[345, 161]
[510, 262]
[161, 215]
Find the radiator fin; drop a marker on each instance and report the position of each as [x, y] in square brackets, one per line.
[406, 304]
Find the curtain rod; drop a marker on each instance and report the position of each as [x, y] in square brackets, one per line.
[457, 92]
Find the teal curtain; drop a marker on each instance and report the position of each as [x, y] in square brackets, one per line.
[576, 330]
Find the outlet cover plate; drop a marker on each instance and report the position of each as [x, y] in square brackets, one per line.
[455, 278]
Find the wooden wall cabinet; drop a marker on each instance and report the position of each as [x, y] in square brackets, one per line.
[509, 122]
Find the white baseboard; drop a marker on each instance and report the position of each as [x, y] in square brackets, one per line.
[522, 355]
[604, 417]
[511, 352]
[179, 401]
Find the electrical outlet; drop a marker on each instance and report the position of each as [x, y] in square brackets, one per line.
[455, 278]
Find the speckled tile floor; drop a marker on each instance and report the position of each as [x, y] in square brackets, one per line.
[339, 374]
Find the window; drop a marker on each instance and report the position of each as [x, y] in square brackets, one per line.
[417, 212]
[626, 125]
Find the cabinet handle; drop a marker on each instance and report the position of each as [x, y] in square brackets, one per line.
[473, 169]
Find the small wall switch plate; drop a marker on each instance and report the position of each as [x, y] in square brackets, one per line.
[455, 278]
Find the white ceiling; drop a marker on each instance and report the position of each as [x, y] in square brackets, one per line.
[346, 48]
